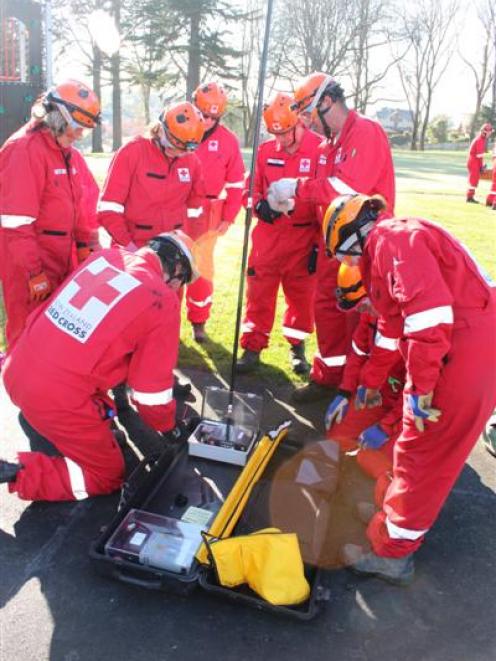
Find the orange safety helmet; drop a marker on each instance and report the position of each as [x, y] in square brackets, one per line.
[348, 220]
[281, 113]
[309, 91]
[183, 126]
[350, 289]
[76, 102]
[210, 99]
[486, 129]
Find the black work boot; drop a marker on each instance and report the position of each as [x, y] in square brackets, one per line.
[472, 200]
[398, 571]
[8, 471]
[249, 361]
[312, 392]
[299, 362]
[199, 333]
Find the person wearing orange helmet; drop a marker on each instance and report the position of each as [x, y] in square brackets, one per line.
[365, 414]
[355, 157]
[282, 243]
[223, 173]
[43, 210]
[155, 182]
[441, 307]
[491, 197]
[475, 160]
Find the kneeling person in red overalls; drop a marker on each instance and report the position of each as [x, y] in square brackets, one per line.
[116, 319]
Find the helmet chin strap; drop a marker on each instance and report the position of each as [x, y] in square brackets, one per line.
[321, 114]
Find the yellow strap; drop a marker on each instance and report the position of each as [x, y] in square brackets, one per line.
[233, 506]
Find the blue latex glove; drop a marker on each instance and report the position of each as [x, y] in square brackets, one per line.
[336, 410]
[420, 406]
[367, 398]
[373, 438]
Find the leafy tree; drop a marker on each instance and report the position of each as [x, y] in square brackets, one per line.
[437, 131]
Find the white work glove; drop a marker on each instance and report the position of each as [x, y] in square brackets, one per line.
[284, 189]
[285, 206]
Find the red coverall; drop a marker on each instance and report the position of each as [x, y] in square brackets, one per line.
[113, 320]
[432, 294]
[491, 198]
[223, 174]
[475, 162]
[147, 193]
[42, 217]
[374, 361]
[358, 161]
[280, 253]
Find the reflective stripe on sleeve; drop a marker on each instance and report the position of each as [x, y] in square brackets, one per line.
[389, 343]
[200, 304]
[481, 155]
[249, 327]
[395, 532]
[293, 332]
[76, 479]
[194, 212]
[332, 361]
[428, 318]
[11, 222]
[341, 187]
[357, 349]
[153, 398]
[234, 184]
[103, 205]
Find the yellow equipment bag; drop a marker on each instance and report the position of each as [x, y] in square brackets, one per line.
[268, 560]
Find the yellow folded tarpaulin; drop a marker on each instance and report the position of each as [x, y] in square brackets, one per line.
[268, 561]
[233, 506]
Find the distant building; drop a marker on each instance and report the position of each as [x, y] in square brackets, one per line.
[395, 120]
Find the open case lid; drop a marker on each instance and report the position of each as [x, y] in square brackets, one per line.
[246, 407]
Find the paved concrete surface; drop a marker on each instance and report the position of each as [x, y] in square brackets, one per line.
[55, 606]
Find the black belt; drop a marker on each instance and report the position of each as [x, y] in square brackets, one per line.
[302, 224]
[143, 227]
[211, 197]
[54, 232]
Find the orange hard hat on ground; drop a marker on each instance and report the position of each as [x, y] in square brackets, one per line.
[183, 126]
[76, 101]
[210, 99]
[350, 289]
[347, 221]
[281, 113]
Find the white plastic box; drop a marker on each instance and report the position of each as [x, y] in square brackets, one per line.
[229, 427]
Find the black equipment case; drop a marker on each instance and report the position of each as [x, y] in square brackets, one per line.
[168, 484]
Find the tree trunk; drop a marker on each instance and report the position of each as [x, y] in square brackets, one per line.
[116, 84]
[193, 75]
[96, 134]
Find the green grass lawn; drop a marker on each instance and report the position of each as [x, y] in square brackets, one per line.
[430, 184]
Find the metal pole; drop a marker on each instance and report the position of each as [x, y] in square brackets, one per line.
[249, 206]
[48, 43]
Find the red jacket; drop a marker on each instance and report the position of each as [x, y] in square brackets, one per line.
[147, 193]
[223, 170]
[274, 163]
[358, 161]
[41, 202]
[375, 362]
[113, 320]
[478, 148]
[421, 280]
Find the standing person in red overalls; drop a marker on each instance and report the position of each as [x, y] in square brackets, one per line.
[475, 161]
[155, 182]
[115, 319]
[42, 208]
[491, 198]
[223, 174]
[355, 158]
[432, 295]
[283, 244]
